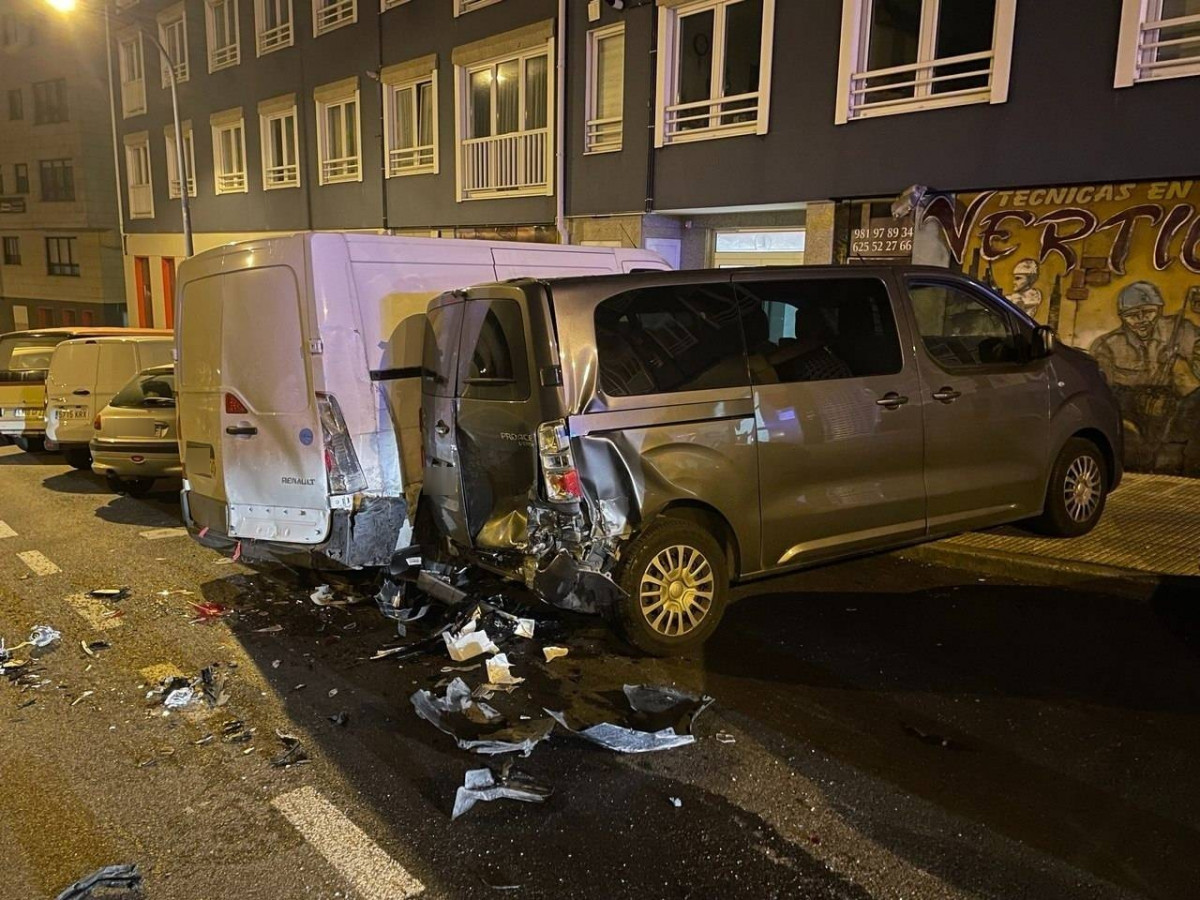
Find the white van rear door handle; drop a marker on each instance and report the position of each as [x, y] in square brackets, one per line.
[81, 392]
[442, 428]
[947, 395]
[248, 430]
[891, 400]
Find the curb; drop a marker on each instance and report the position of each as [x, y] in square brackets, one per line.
[1024, 565]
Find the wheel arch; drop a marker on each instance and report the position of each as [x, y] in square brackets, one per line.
[711, 518]
[1104, 445]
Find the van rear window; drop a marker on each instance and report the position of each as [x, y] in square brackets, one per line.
[440, 350]
[26, 358]
[476, 349]
[673, 338]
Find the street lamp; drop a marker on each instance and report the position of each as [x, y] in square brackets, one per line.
[66, 6]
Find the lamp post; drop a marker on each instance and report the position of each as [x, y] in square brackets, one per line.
[66, 6]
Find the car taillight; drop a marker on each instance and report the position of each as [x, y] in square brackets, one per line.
[559, 474]
[234, 406]
[341, 462]
[97, 423]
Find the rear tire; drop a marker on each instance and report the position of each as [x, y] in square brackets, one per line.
[676, 583]
[30, 445]
[132, 487]
[1076, 493]
[79, 458]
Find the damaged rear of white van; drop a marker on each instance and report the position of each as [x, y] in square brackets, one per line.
[298, 382]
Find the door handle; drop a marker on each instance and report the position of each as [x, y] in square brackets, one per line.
[82, 392]
[441, 428]
[947, 395]
[247, 430]
[891, 400]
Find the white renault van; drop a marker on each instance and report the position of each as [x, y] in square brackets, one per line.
[84, 375]
[298, 384]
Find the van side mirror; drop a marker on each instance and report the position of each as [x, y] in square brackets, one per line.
[1042, 344]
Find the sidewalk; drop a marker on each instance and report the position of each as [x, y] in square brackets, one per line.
[1151, 527]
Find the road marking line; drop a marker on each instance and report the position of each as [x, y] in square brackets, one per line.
[373, 874]
[38, 563]
[157, 534]
[97, 614]
[6, 531]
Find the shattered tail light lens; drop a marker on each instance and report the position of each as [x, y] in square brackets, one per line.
[559, 475]
[341, 462]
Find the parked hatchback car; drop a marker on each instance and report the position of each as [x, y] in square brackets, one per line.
[655, 436]
[135, 436]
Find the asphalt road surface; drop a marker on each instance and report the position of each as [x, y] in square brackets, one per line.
[881, 730]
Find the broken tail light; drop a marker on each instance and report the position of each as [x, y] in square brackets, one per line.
[341, 462]
[559, 474]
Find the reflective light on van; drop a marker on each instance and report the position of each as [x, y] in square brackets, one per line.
[234, 406]
[341, 462]
[559, 474]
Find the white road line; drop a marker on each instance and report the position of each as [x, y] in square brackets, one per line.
[373, 874]
[92, 611]
[158, 534]
[38, 563]
[6, 530]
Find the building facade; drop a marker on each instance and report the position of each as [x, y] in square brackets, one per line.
[60, 249]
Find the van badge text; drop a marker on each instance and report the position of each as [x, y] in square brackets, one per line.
[518, 438]
[292, 479]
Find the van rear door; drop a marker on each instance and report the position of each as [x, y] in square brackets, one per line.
[70, 385]
[483, 407]
[250, 432]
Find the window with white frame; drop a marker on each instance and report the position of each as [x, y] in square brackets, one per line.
[272, 25]
[909, 55]
[280, 144]
[410, 124]
[331, 14]
[172, 34]
[339, 153]
[137, 176]
[466, 6]
[507, 140]
[605, 89]
[714, 69]
[133, 75]
[1159, 39]
[224, 44]
[189, 160]
[229, 152]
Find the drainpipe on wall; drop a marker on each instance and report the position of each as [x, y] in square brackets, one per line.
[383, 148]
[560, 127]
[112, 117]
[650, 154]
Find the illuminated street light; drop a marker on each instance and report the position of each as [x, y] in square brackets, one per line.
[62, 5]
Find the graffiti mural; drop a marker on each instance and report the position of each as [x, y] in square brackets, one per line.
[1115, 270]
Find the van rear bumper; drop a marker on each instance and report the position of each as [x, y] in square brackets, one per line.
[365, 537]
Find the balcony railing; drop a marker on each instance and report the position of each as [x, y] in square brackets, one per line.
[410, 160]
[603, 135]
[332, 15]
[141, 201]
[231, 182]
[133, 97]
[287, 175]
[274, 38]
[173, 188]
[1169, 47]
[181, 73]
[342, 168]
[224, 57]
[962, 79]
[703, 119]
[506, 164]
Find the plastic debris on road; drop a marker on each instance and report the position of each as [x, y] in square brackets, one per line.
[322, 596]
[209, 610]
[480, 786]
[180, 698]
[468, 643]
[677, 802]
[124, 877]
[43, 636]
[499, 670]
[525, 628]
[456, 715]
[673, 703]
[293, 751]
[109, 593]
[341, 719]
[627, 740]
[553, 653]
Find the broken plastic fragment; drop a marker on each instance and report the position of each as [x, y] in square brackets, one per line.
[552, 653]
[454, 710]
[724, 737]
[627, 740]
[293, 751]
[125, 876]
[209, 609]
[43, 636]
[499, 670]
[110, 593]
[525, 628]
[676, 802]
[480, 785]
[179, 698]
[322, 596]
[468, 643]
[666, 704]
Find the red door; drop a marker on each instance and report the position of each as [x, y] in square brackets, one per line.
[168, 272]
[145, 299]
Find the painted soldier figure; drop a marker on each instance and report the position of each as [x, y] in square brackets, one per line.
[1143, 350]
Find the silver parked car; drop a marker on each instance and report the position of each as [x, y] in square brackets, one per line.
[135, 437]
[641, 440]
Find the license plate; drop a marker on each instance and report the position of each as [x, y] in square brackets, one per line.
[17, 413]
[72, 412]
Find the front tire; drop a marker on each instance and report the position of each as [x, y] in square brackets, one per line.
[79, 458]
[1077, 492]
[676, 583]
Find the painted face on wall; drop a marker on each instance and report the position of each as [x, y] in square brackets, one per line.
[1140, 320]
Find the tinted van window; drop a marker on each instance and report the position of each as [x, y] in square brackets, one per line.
[672, 338]
[959, 329]
[821, 329]
[493, 363]
[440, 350]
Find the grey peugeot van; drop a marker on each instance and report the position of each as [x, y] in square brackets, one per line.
[641, 440]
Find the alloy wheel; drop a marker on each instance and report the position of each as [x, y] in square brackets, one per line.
[1082, 488]
[676, 590]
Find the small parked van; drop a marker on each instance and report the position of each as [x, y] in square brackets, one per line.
[24, 362]
[85, 373]
[644, 440]
[298, 381]
[135, 439]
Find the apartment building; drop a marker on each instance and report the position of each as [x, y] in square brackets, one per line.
[60, 250]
